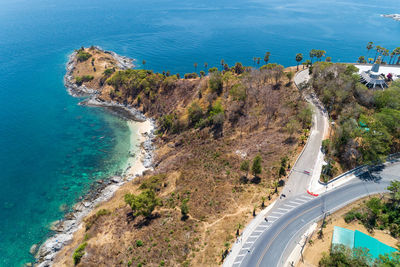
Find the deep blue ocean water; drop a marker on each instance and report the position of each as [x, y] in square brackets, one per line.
[52, 150]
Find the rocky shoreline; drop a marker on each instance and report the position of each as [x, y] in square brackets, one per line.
[103, 190]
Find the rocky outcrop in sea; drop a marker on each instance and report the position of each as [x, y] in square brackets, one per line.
[392, 16]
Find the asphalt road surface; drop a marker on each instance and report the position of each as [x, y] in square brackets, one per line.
[290, 219]
[301, 175]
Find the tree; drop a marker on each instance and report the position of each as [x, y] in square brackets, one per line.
[215, 82]
[184, 209]
[205, 65]
[258, 61]
[195, 113]
[239, 69]
[378, 50]
[397, 51]
[320, 53]
[370, 45]
[142, 204]
[299, 58]
[202, 73]
[222, 63]
[361, 59]
[256, 168]
[195, 67]
[313, 53]
[245, 167]
[392, 54]
[394, 189]
[282, 169]
[266, 57]
[328, 59]
[143, 62]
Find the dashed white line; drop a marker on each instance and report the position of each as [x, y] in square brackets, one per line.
[284, 210]
[290, 206]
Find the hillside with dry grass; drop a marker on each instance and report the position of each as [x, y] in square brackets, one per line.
[207, 128]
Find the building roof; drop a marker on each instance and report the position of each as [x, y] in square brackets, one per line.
[357, 239]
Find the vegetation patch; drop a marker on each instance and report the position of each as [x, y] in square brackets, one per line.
[79, 80]
[365, 129]
[379, 214]
[82, 55]
[78, 253]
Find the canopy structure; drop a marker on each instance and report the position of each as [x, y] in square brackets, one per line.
[371, 78]
[357, 239]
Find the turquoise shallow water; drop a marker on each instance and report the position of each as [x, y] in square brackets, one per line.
[51, 150]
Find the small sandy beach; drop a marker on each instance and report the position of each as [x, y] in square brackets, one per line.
[139, 132]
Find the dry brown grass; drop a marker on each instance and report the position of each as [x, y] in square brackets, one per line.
[199, 166]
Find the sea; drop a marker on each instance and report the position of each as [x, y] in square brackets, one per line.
[52, 151]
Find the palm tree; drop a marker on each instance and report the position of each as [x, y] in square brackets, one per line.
[378, 50]
[370, 45]
[258, 60]
[319, 54]
[385, 53]
[313, 53]
[266, 57]
[195, 67]
[397, 52]
[143, 62]
[299, 58]
[222, 63]
[205, 65]
[391, 56]
[254, 61]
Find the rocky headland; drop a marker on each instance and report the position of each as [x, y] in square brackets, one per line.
[103, 189]
[209, 128]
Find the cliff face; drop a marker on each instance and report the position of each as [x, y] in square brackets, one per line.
[207, 128]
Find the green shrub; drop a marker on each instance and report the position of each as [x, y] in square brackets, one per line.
[81, 79]
[82, 55]
[191, 75]
[154, 182]
[79, 252]
[195, 113]
[238, 92]
[139, 243]
[144, 203]
[349, 217]
[213, 69]
[215, 82]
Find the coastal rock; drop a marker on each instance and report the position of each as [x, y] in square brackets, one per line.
[73, 220]
[116, 179]
[392, 16]
[33, 249]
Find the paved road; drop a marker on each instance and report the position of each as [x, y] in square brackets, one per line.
[298, 180]
[290, 219]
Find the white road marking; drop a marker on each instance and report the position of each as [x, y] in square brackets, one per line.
[295, 203]
[284, 210]
[290, 206]
[306, 198]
